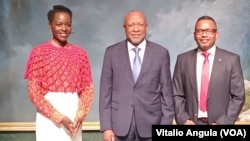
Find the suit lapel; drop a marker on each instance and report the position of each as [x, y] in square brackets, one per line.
[146, 58]
[216, 68]
[125, 59]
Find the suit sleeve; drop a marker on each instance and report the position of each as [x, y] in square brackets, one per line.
[105, 93]
[179, 98]
[237, 94]
[167, 91]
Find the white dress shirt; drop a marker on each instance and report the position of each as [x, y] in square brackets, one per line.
[199, 64]
[131, 53]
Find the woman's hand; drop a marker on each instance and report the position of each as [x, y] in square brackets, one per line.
[68, 125]
[77, 126]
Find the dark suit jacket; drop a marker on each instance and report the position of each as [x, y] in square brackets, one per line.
[226, 94]
[150, 98]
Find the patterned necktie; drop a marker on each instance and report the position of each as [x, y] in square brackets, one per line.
[204, 82]
[136, 63]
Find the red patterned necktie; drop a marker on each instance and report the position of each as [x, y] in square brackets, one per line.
[204, 82]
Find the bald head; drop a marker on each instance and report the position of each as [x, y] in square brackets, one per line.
[135, 26]
[134, 13]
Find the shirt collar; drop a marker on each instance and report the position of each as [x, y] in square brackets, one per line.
[211, 50]
[142, 45]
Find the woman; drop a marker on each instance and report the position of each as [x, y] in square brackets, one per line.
[59, 81]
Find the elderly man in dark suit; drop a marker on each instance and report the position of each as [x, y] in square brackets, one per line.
[208, 81]
[131, 102]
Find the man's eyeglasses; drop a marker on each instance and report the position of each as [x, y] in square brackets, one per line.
[207, 31]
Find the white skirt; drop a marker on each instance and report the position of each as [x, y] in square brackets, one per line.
[67, 104]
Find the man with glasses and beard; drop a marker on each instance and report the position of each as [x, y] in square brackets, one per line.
[208, 81]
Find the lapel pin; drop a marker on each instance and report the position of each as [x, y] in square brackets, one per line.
[219, 59]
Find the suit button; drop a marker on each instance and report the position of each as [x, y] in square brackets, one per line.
[195, 114]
